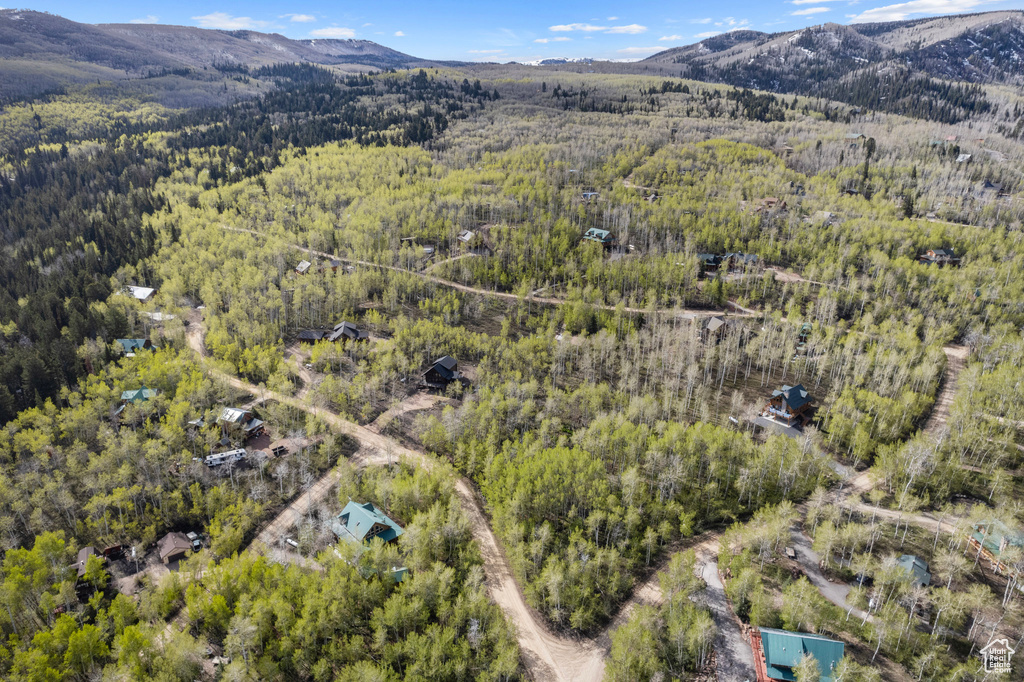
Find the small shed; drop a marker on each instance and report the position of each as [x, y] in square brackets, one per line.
[303, 267]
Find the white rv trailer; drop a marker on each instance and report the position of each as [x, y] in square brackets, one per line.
[225, 457]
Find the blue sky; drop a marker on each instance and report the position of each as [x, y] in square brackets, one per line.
[521, 31]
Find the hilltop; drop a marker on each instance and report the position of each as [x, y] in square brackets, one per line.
[893, 66]
[42, 52]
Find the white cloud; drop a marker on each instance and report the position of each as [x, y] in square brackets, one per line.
[613, 18]
[225, 21]
[399, 34]
[707, 34]
[809, 2]
[148, 19]
[299, 18]
[673, 37]
[904, 10]
[810, 10]
[577, 27]
[367, 25]
[333, 32]
[705, 20]
[556, 39]
[641, 50]
[632, 29]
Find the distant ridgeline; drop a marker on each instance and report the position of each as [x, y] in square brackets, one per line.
[69, 221]
[926, 68]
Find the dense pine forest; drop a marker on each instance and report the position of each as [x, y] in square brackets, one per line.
[623, 267]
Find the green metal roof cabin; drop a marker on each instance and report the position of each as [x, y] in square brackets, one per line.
[999, 536]
[359, 523]
[138, 395]
[783, 651]
[132, 345]
[917, 568]
[600, 236]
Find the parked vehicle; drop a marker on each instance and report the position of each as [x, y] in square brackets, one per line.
[225, 457]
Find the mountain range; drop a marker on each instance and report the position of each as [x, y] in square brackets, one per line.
[987, 47]
[40, 52]
[930, 68]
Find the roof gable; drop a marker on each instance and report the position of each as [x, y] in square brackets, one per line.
[916, 567]
[795, 396]
[138, 394]
[783, 651]
[361, 522]
[173, 543]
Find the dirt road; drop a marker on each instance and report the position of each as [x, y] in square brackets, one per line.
[487, 292]
[547, 656]
[415, 402]
[956, 360]
[734, 657]
[810, 562]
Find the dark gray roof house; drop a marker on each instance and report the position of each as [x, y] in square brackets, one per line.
[346, 331]
[794, 396]
[444, 371]
[83, 557]
[311, 335]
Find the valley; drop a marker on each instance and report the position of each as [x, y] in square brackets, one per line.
[327, 362]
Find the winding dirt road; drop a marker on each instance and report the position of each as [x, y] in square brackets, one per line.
[956, 360]
[547, 656]
[487, 292]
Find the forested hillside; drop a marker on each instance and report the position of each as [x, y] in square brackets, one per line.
[924, 68]
[623, 271]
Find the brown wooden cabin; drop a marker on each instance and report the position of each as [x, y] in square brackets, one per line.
[940, 257]
[789, 405]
